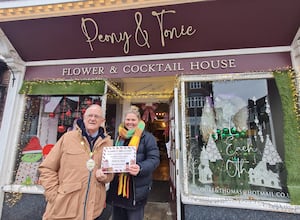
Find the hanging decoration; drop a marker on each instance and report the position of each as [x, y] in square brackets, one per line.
[68, 113]
[149, 112]
[52, 115]
[61, 128]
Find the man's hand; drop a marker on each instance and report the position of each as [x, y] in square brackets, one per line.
[101, 177]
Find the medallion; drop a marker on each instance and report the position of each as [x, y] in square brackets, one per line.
[90, 164]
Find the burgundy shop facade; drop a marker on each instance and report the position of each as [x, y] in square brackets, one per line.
[231, 92]
[227, 154]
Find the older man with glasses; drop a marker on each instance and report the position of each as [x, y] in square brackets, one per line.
[71, 175]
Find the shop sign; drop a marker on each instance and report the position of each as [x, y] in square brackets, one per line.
[203, 65]
[141, 35]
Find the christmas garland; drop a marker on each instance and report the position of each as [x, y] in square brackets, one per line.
[286, 84]
[73, 87]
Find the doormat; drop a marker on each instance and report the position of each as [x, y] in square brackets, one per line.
[160, 191]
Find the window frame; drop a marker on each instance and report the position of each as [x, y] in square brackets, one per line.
[218, 201]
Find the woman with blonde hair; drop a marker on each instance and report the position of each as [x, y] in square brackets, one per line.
[129, 191]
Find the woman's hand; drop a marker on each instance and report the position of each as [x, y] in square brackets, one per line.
[101, 177]
[134, 169]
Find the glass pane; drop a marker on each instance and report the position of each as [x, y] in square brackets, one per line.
[232, 149]
[46, 119]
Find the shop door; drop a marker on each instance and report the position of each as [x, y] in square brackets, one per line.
[173, 148]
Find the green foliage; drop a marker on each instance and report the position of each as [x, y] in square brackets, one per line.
[285, 81]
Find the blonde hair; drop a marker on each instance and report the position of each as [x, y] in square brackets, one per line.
[134, 110]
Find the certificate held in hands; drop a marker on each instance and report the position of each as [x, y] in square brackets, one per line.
[116, 159]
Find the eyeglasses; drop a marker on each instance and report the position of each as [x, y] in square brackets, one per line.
[94, 116]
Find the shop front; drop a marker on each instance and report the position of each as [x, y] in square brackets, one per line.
[226, 121]
[219, 125]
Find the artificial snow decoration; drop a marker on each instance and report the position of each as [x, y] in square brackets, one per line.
[240, 119]
[226, 107]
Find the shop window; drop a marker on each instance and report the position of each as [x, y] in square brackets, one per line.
[46, 119]
[234, 144]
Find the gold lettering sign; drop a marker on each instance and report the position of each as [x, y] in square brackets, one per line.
[157, 68]
[140, 37]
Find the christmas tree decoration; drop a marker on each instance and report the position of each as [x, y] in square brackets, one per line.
[270, 154]
[213, 153]
[261, 175]
[208, 123]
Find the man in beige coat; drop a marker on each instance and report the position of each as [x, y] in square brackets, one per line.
[71, 175]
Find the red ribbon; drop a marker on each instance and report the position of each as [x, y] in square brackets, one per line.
[149, 113]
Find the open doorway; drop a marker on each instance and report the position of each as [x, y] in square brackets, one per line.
[153, 96]
[156, 117]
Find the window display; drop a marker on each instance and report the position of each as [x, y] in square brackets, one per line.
[46, 119]
[234, 145]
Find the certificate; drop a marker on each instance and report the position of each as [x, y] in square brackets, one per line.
[117, 159]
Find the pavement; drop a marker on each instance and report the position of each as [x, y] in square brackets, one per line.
[158, 211]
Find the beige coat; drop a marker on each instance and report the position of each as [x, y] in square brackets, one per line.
[65, 177]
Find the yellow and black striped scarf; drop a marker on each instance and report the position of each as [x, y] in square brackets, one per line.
[135, 135]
